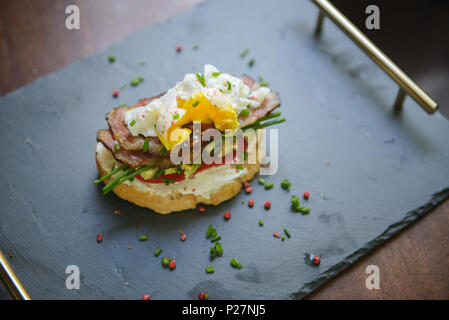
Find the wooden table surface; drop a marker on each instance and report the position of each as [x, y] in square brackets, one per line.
[35, 42]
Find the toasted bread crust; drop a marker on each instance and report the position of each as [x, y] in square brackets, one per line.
[175, 201]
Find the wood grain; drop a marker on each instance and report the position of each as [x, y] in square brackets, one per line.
[35, 42]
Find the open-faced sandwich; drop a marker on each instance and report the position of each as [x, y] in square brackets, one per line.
[192, 144]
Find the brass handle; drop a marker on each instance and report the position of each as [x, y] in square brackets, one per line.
[11, 281]
[388, 66]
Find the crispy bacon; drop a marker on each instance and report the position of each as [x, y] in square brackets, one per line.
[270, 103]
[132, 158]
[121, 133]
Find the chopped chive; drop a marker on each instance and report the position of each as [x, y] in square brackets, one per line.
[216, 238]
[116, 181]
[200, 78]
[164, 151]
[240, 167]
[117, 147]
[210, 269]
[179, 170]
[245, 112]
[220, 90]
[132, 123]
[168, 180]
[264, 84]
[157, 252]
[212, 253]
[229, 85]
[244, 53]
[111, 58]
[141, 63]
[123, 86]
[268, 185]
[206, 295]
[236, 264]
[287, 233]
[261, 181]
[165, 261]
[135, 82]
[196, 103]
[195, 47]
[295, 201]
[305, 210]
[285, 184]
[245, 155]
[261, 222]
[123, 105]
[159, 173]
[143, 238]
[175, 116]
[283, 238]
[251, 62]
[110, 174]
[218, 248]
[215, 74]
[145, 144]
[211, 231]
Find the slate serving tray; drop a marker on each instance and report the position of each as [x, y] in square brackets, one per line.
[370, 172]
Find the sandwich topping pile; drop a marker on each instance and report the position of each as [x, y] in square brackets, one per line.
[133, 155]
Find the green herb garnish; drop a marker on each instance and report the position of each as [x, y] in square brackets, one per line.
[240, 167]
[210, 269]
[245, 112]
[168, 180]
[196, 103]
[269, 186]
[218, 248]
[157, 252]
[229, 85]
[163, 151]
[165, 261]
[200, 78]
[143, 238]
[236, 264]
[110, 174]
[111, 58]
[211, 231]
[261, 181]
[159, 173]
[145, 144]
[132, 123]
[216, 238]
[244, 53]
[251, 62]
[215, 74]
[212, 253]
[287, 233]
[117, 147]
[261, 222]
[295, 202]
[285, 184]
[135, 82]
[195, 47]
[175, 116]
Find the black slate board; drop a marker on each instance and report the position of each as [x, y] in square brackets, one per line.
[370, 173]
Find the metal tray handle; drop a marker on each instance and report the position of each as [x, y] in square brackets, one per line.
[385, 63]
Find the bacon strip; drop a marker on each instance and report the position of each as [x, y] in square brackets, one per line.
[270, 103]
[132, 158]
[121, 133]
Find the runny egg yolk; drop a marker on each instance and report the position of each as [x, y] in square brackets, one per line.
[200, 108]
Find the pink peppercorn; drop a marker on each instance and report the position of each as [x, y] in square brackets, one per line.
[251, 203]
[246, 184]
[227, 215]
[183, 237]
[202, 209]
[267, 204]
[99, 238]
[179, 47]
[276, 235]
[248, 190]
[306, 195]
[202, 295]
[146, 297]
[115, 93]
[172, 264]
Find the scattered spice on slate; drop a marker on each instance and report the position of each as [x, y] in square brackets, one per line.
[157, 252]
[269, 186]
[285, 184]
[236, 264]
[267, 204]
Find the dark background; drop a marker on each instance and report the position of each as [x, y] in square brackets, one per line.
[415, 264]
